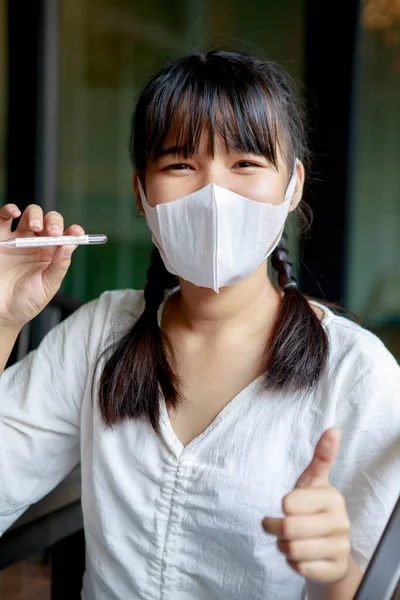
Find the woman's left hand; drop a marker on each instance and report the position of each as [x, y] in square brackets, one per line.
[314, 534]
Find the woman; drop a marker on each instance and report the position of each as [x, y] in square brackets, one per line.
[205, 411]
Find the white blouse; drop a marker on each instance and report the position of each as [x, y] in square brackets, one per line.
[167, 522]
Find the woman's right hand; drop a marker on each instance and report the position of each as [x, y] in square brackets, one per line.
[30, 277]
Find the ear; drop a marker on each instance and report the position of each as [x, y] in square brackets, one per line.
[298, 192]
[139, 204]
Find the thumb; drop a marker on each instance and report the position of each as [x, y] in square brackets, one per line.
[56, 271]
[317, 472]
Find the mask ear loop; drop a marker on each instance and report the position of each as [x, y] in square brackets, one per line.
[292, 183]
[142, 194]
[149, 209]
[288, 196]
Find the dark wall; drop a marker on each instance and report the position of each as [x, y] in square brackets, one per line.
[331, 67]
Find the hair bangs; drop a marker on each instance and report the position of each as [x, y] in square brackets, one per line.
[238, 110]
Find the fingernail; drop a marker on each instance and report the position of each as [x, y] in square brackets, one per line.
[55, 229]
[35, 224]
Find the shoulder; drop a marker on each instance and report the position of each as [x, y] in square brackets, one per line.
[356, 354]
[110, 316]
[113, 306]
[121, 303]
[361, 384]
[94, 325]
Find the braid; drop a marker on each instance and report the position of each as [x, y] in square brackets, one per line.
[138, 369]
[158, 281]
[299, 345]
[284, 268]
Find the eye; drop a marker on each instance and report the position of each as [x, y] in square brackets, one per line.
[177, 167]
[247, 164]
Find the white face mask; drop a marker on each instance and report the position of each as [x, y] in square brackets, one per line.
[214, 237]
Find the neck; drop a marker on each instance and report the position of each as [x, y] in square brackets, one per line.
[250, 304]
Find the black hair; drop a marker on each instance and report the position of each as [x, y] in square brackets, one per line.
[252, 104]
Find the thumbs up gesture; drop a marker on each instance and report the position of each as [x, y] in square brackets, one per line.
[314, 534]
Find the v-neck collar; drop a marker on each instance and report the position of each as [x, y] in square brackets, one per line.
[172, 440]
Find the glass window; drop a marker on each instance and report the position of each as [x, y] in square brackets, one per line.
[108, 49]
[374, 241]
[3, 97]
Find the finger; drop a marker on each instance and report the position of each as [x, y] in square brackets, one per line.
[74, 230]
[330, 548]
[317, 472]
[322, 571]
[31, 219]
[306, 501]
[53, 223]
[56, 271]
[8, 212]
[272, 526]
[307, 527]
[314, 526]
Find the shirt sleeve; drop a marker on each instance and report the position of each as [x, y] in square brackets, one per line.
[368, 466]
[40, 403]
